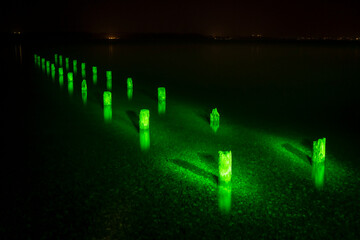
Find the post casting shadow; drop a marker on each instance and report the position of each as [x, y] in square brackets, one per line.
[134, 118]
[198, 171]
[298, 153]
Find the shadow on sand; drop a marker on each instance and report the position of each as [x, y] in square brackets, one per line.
[134, 118]
[198, 171]
[297, 152]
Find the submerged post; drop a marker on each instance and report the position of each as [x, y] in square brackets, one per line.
[48, 67]
[67, 64]
[61, 76]
[56, 58]
[161, 100]
[108, 80]
[214, 120]
[318, 162]
[60, 61]
[225, 162]
[53, 71]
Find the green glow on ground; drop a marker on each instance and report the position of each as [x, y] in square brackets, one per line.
[144, 139]
[144, 119]
[108, 80]
[94, 71]
[214, 120]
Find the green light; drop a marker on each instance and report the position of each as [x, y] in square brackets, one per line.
[84, 91]
[53, 71]
[107, 106]
[61, 71]
[60, 61]
[107, 98]
[70, 76]
[56, 58]
[144, 140]
[94, 71]
[108, 80]
[38, 61]
[35, 58]
[43, 64]
[161, 94]
[144, 119]
[67, 64]
[225, 161]
[75, 66]
[70, 83]
[161, 100]
[48, 67]
[318, 162]
[130, 88]
[83, 70]
[214, 119]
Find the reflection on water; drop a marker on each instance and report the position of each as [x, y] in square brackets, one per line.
[318, 174]
[224, 197]
[107, 113]
[161, 107]
[144, 139]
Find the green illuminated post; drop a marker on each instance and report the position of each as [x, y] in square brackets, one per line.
[53, 71]
[38, 61]
[224, 198]
[94, 70]
[144, 120]
[318, 162]
[70, 83]
[60, 61]
[144, 124]
[35, 59]
[43, 64]
[75, 66]
[107, 106]
[83, 70]
[56, 58]
[48, 68]
[225, 161]
[67, 64]
[84, 91]
[130, 88]
[108, 80]
[161, 100]
[214, 120]
[61, 76]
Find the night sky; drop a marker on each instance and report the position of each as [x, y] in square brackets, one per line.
[275, 18]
